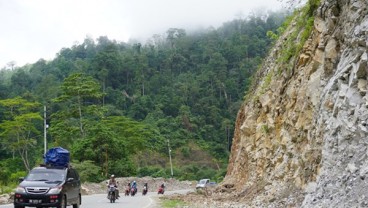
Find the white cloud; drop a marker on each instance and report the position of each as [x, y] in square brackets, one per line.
[34, 29]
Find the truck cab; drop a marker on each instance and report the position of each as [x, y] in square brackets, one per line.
[202, 183]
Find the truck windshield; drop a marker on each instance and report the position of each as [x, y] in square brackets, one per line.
[202, 181]
[45, 175]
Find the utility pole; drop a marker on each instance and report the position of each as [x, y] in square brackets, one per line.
[168, 145]
[44, 129]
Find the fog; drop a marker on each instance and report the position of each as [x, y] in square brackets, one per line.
[35, 29]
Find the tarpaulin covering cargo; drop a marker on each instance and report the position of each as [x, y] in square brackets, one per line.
[57, 156]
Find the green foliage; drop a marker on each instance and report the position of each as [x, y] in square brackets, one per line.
[172, 203]
[186, 151]
[81, 94]
[14, 177]
[307, 30]
[187, 172]
[193, 172]
[267, 81]
[4, 175]
[123, 167]
[286, 24]
[301, 31]
[80, 87]
[164, 173]
[100, 146]
[135, 135]
[88, 171]
[7, 189]
[272, 35]
[111, 141]
[148, 171]
[10, 172]
[206, 173]
[265, 129]
[157, 171]
[19, 127]
[312, 6]
[220, 175]
[8, 167]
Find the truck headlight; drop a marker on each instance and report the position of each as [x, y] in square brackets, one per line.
[55, 190]
[20, 190]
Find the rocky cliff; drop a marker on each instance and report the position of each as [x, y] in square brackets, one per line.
[301, 138]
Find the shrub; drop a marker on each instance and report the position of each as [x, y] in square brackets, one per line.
[186, 151]
[9, 167]
[88, 171]
[122, 168]
[291, 48]
[14, 177]
[6, 189]
[147, 171]
[161, 173]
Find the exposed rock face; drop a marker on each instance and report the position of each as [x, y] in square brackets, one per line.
[303, 141]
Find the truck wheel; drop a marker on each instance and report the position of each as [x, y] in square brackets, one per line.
[78, 202]
[63, 202]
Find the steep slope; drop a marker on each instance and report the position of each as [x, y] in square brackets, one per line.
[301, 139]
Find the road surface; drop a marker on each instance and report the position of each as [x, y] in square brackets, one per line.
[100, 200]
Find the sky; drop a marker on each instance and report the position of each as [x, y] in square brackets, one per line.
[35, 29]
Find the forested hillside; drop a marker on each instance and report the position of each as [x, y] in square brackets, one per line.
[116, 105]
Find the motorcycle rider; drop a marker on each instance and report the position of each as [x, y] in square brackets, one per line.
[127, 190]
[162, 188]
[134, 185]
[145, 187]
[113, 182]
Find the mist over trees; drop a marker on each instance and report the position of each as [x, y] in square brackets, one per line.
[110, 103]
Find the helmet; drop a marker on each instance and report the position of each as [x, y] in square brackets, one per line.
[134, 182]
[112, 176]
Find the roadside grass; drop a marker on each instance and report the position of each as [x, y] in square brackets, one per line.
[7, 189]
[172, 203]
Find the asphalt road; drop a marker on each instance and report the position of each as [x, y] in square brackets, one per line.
[100, 200]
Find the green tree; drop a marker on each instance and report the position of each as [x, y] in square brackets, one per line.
[100, 146]
[79, 91]
[19, 130]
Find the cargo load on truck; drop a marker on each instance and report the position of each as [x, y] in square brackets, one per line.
[57, 156]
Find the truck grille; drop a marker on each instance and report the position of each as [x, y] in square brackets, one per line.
[37, 190]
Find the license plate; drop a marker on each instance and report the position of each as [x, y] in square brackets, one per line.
[35, 201]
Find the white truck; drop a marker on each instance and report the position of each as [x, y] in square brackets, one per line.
[203, 183]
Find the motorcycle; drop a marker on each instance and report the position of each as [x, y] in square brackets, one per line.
[133, 191]
[161, 190]
[127, 191]
[112, 193]
[144, 190]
